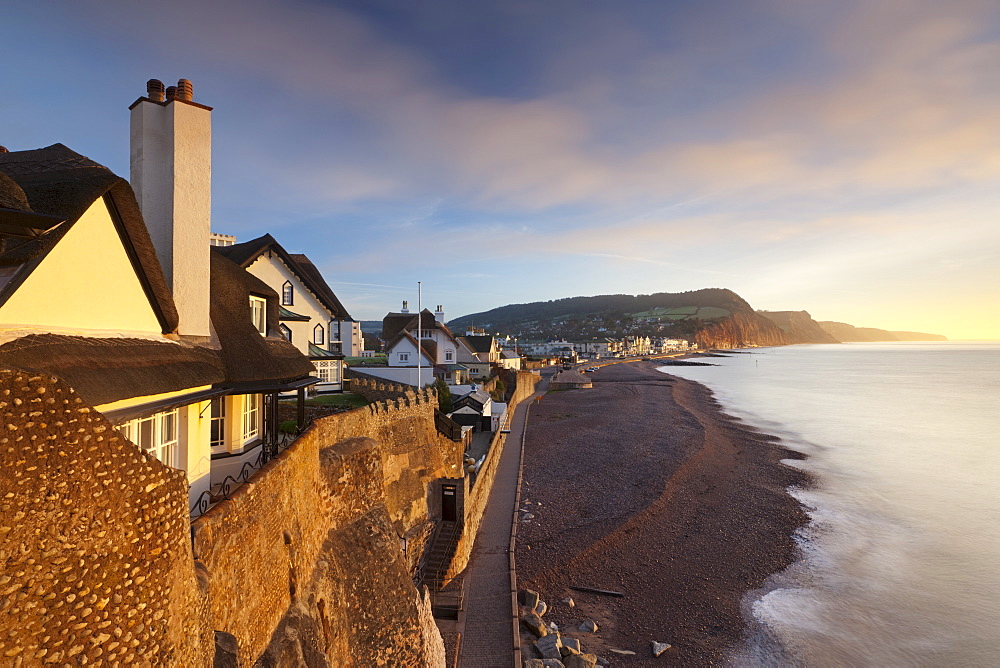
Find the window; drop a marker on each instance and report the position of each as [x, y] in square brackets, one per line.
[258, 314]
[251, 417]
[449, 355]
[287, 295]
[219, 424]
[285, 332]
[404, 357]
[319, 335]
[327, 370]
[156, 435]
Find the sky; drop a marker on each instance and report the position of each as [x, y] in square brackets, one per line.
[840, 157]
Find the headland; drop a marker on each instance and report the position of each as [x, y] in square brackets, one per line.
[643, 486]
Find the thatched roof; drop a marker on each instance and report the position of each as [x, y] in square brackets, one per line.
[11, 195]
[107, 370]
[59, 182]
[246, 253]
[248, 357]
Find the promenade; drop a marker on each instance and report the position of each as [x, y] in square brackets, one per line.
[488, 628]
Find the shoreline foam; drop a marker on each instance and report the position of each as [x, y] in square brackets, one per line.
[647, 487]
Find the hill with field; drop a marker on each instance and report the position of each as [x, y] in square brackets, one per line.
[714, 317]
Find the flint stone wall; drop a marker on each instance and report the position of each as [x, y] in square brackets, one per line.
[95, 554]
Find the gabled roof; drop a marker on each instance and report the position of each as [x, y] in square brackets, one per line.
[61, 183]
[394, 323]
[480, 344]
[246, 253]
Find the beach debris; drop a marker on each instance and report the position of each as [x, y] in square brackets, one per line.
[590, 626]
[535, 624]
[660, 647]
[569, 602]
[580, 661]
[622, 652]
[570, 646]
[592, 590]
[528, 516]
[549, 646]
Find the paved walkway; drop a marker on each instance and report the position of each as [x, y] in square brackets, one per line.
[488, 636]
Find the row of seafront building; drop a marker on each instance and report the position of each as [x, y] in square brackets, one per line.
[604, 348]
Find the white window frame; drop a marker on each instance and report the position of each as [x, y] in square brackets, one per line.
[157, 435]
[319, 335]
[258, 314]
[217, 433]
[252, 413]
[449, 355]
[286, 331]
[404, 357]
[287, 294]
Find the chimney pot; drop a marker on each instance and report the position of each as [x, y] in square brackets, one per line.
[185, 91]
[154, 90]
[171, 93]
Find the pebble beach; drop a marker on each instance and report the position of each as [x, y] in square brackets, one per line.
[644, 487]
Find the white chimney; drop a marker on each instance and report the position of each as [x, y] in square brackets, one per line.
[171, 174]
[405, 309]
[439, 314]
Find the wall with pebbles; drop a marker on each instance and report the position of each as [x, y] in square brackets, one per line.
[95, 555]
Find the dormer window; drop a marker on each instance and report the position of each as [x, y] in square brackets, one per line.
[319, 335]
[258, 314]
[285, 332]
[287, 294]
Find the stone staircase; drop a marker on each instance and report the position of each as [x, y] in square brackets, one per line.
[446, 601]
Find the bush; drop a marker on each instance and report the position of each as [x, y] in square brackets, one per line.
[288, 427]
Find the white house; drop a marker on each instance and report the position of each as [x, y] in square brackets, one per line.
[311, 315]
[113, 288]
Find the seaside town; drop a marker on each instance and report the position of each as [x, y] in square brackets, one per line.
[289, 376]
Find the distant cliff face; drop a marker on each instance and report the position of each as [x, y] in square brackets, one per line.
[799, 326]
[850, 333]
[741, 330]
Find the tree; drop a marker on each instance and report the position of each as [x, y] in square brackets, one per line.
[444, 395]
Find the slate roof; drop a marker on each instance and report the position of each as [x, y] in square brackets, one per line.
[479, 344]
[244, 254]
[62, 183]
[394, 323]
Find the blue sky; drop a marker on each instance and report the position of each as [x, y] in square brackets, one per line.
[838, 157]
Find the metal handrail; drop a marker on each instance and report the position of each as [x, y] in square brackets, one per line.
[221, 491]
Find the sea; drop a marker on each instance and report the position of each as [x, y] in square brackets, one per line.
[899, 564]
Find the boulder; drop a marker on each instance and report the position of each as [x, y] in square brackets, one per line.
[534, 623]
[540, 608]
[660, 647]
[581, 661]
[548, 646]
[568, 602]
[590, 626]
[544, 663]
[553, 627]
[570, 646]
[529, 598]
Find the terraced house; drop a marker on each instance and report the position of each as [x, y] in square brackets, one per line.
[113, 288]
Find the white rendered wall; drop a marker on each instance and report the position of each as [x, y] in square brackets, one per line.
[86, 282]
[274, 272]
[171, 174]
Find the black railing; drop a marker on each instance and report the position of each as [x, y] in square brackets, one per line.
[221, 491]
